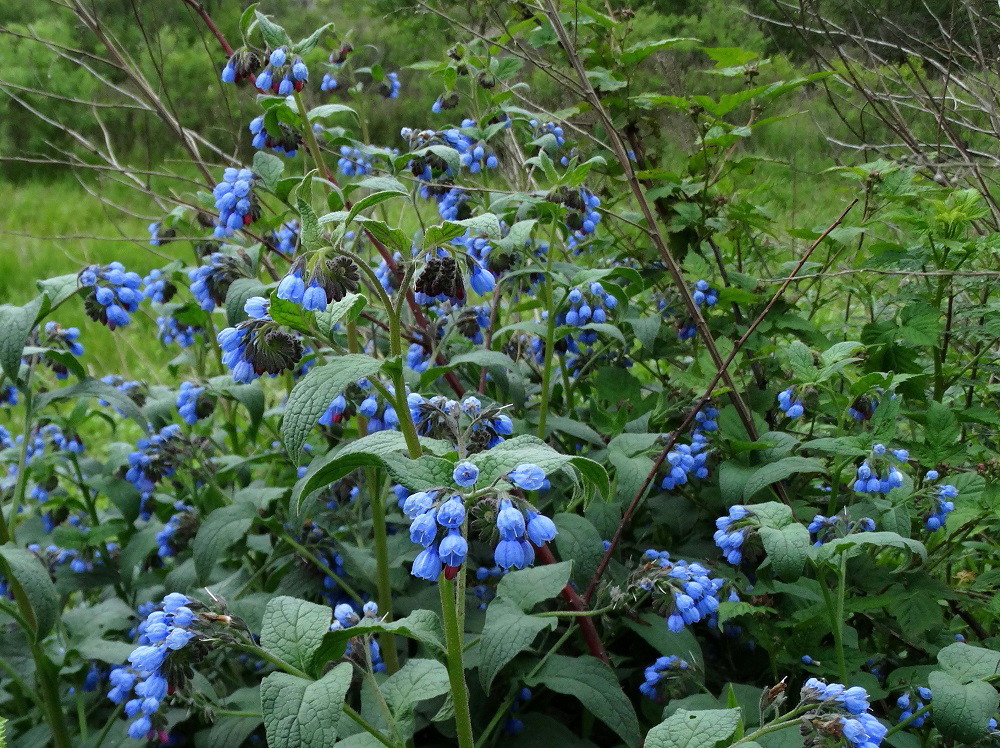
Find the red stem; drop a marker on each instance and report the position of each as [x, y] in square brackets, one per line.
[587, 627]
[200, 10]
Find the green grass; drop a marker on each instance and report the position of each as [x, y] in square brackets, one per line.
[41, 230]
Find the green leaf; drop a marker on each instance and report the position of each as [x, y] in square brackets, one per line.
[347, 309]
[485, 224]
[98, 389]
[857, 542]
[772, 473]
[15, 326]
[787, 549]
[273, 34]
[313, 393]
[294, 629]
[309, 233]
[298, 712]
[59, 288]
[639, 52]
[528, 587]
[27, 570]
[305, 46]
[961, 710]
[218, 533]
[967, 663]
[269, 168]
[289, 314]
[373, 199]
[326, 110]
[578, 540]
[383, 184]
[239, 291]
[507, 632]
[597, 688]
[702, 729]
[418, 680]
[506, 456]
[422, 625]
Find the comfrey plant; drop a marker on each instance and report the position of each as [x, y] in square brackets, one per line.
[465, 431]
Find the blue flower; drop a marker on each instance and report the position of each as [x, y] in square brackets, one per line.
[452, 513]
[509, 554]
[465, 474]
[540, 529]
[527, 476]
[453, 548]
[423, 530]
[510, 522]
[427, 565]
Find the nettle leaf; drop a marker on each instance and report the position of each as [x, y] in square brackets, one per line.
[313, 393]
[508, 631]
[300, 712]
[218, 533]
[597, 688]
[309, 233]
[961, 710]
[27, 570]
[501, 459]
[967, 663]
[772, 473]
[95, 388]
[269, 168]
[702, 729]
[294, 629]
[15, 326]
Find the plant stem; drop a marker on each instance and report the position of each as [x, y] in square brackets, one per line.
[383, 591]
[273, 659]
[311, 557]
[367, 726]
[7, 527]
[456, 671]
[550, 343]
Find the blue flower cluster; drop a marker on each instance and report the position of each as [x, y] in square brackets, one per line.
[588, 305]
[585, 222]
[157, 287]
[344, 617]
[476, 158]
[944, 504]
[903, 703]
[54, 556]
[868, 480]
[329, 83]
[381, 416]
[163, 632]
[437, 526]
[187, 402]
[8, 395]
[169, 330]
[665, 668]
[849, 707]
[416, 358]
[790, 405]
[56, 336]
[287, 144]
[390, 86]
[730, 538]
[689, 591]
[704, 294]
[235, 201]
[285, 238]
[180, 519]
[687, 460]
[352, 162]
[154, 458]
[256, 346]
[824, 529]
[114, 296]
[283, 75]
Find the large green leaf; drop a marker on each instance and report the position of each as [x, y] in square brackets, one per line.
[217, 534]
[15, 326]
[767, 474]
[300, 713]
[702, 729]
[961, 710]
[27, 570]
[596, 686]
[95, 388]
[312, 395]
[507, 632]
[294, 629]
[501, 459]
